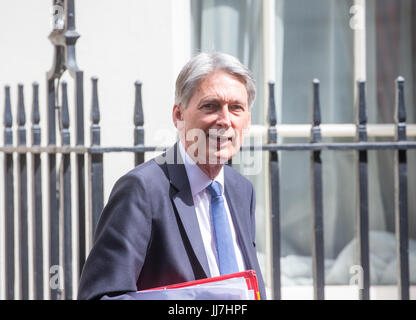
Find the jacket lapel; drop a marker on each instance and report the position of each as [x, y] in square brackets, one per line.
[242, 229]
[184, 204]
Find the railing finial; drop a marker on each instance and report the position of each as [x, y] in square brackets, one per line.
[35, 104]
[272, 131]
[63, 37]
[64, 110]
[138, 106]
[8, 118]
[95, 114]
[272, 105]
[361, 113]
[21, 114]
[95, 109]
[316, 112]
[400, 110]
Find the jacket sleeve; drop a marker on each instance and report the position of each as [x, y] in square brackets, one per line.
[120, 241]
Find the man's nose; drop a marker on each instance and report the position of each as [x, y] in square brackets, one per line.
[223, 119]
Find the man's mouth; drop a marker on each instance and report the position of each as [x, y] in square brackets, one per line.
[219, 142]
[220, 139]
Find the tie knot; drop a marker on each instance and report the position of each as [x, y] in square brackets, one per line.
[214, 189]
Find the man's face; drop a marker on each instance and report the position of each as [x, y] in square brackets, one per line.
[211, 127]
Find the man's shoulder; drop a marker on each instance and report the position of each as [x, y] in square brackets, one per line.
[235, 178]
[148, 170]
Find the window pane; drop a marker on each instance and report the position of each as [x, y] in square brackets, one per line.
[317, 42]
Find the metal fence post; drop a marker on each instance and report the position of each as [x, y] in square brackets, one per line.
[362, 194]
[95, 172]
[64, 38]
[275, 195]
[317, 203]
[9, 197]
[55, 72]
[22, 196]
[400, 194]
[37, 195]
[65, 198]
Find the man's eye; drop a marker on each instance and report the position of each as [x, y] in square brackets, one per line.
[209, 106]
[236, 108]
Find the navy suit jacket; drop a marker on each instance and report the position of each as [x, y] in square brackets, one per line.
[148, 233]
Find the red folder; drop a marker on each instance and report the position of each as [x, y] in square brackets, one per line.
[248, 275]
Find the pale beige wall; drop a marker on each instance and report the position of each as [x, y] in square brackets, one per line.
[121, 42]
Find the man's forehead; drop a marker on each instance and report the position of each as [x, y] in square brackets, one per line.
[224, 92]
[220, 99]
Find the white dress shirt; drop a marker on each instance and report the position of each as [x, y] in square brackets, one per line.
[198, 181]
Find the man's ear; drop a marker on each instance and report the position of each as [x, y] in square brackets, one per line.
[177, 115]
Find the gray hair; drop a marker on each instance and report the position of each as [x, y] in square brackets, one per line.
[201, 66]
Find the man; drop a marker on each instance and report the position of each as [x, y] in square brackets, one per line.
[183, 215]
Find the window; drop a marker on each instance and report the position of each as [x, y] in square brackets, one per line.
[336, 42]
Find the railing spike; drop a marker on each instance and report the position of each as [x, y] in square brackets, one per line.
[8, 118]
[316, 113]
[138, 106]
[272, 105]
[138, 123]
[400, 110]
[95, 114]
[64, 111]
[95, 110]
[35, 104]
[400, 105]
[21, 114]
[362, 110]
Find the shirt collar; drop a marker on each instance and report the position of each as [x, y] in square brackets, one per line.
[198, 180]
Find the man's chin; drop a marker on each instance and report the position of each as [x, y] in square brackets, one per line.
[220, 156]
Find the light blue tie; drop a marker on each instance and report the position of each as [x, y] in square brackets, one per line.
[225, 249]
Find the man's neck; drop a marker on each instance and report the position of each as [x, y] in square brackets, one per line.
[211, 170]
